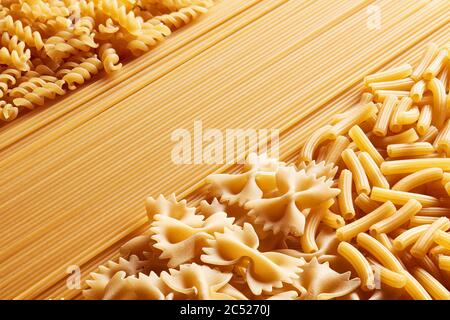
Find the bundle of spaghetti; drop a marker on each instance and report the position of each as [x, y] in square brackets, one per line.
[55, 31]
[382, 246]
[128, 108]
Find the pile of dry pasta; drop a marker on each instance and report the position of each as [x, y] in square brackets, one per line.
[364, 214]
[50, 46]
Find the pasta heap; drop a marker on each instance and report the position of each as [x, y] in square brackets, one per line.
[363, 214]
[49, 46]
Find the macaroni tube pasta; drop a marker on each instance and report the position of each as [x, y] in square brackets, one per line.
[396, 220]
[439, 250]
[382, 95]
[373, 172]
[384, 116]
[402, 197]
[408, 166]
[363, 224]
[421, 220]
[431, 284]
[410, 116]
[386, 276]
[428, 56]
[359, 175]
[414, 288]
[418, 90]
[323, 134]
[360, 115]
[360, 263]
[403, 105]
[364, 144]
[442, 142]
[429, 135]
[366, 98]
[400, 72]
[385, 241]
[408, 237]
[333, 220]
[408, 136]
[424, 121]
[442, 238]
[380, 252]
[439, 102]
[345, 197]
[436, 65]
[308, 239]
[425, 241]
[435, 212]
[401, 85]
[336, 148]
[418, 178]
[366, 204]
[444, 262]
[409, 149]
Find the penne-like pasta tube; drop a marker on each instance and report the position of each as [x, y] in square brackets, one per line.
[336, 148]
[444, 262]
[359, 175]
[373, 172]
[384, 116]
[408, 237]
[349, 231]
[439, 250]
[366, 97]
[413, 165]
[382, 95]
[409, 149]
[380, 252]
[397, 219]
[390, 278]
[417, 90]
[333, 220]
[400, 85]
[364, 144]
[428, 56]
[319, 136]
[410, 116]
[431, 284]
[402, 106]
[366, 204]
[408, 136]
[425, 241]
[402, 197]
[358, 116]
[385, 241]
[442, 238]
[308, 239]
[424, 121]
[418, 178]
[435, 212]
[399, 72]
[439, 102]
[436, 64]
[414, 288]
[359, 263]
[345, 197]
[421, 220]
[429, 135]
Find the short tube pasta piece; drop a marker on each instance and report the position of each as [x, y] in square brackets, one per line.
[431, 284]
[358, 116]
[444, 262]
[439, 102]
[418, 90]
[333, 220]
[442, 238]
[426, 240]
[308, 239]
[424, 121]
[402, 197]
[428, 56]
[436, 64]
[364, 144]
[414, 288]
[413, 165]
[399, 85]
[402, 106]
[360, 263]
[397, 219]
[418, 178]
[384, 116]
[399, 72]
[409, 116]
[363, 224]
[408, 136]
[380, 252]
[319, 136]
[421, 220]
[373, 171]
[408, 237]
[366, 204]
[359, 175]
[391, 278]
[345, 197]
[336, 148]
[409, 149]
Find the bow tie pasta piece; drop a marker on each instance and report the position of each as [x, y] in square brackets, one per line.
[101, 278]
[320, 282]
[321, 169]
[172, 208]
[262, 271]
[209, 208]
[298, 192]
[200, 282]
[181, 242]
[257, 180]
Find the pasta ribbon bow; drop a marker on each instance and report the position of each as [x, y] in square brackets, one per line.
[297, 192]
[262, 271]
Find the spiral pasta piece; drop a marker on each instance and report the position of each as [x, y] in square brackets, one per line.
[24, 33]
[82, 72]
[109, 58]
